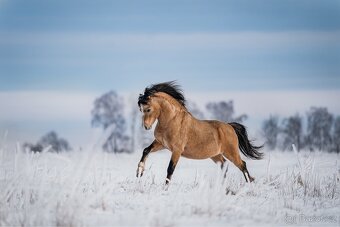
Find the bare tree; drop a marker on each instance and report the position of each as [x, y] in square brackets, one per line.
[271, 129]
[292, 132]
[108, 113]
[194, 110]
[145, 137]
[319, 123]
[33, 147]
[336, 135]
[224, 111]
[57, 144]
[133, 128]
[50, 139]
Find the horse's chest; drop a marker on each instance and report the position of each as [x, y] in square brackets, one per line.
[168, 139]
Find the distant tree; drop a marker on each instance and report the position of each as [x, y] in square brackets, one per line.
[123, 144]
[134, 125]
[145, 137]
[108, 113]
[319, 124]
[292, 132]
[271, 130]
[194, 110]
[336, 135]
[50, 139]
[57, 144]
[142, 137]
[33, 147]
[224, 111]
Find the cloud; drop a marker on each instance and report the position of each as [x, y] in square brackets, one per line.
[36, 112]
[45, 105]
[261, 104]
[173, 41]
[68, 106]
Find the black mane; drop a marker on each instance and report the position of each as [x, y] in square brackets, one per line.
[170, 88]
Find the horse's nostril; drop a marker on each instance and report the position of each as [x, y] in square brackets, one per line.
[145, 128]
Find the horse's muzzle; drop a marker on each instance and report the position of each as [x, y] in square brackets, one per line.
[147, 128]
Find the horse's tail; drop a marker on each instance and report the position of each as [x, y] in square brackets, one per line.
[246, 147]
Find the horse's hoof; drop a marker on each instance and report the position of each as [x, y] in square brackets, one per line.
[166, 185]
[251, 179]
[140, 169]
[140, 172]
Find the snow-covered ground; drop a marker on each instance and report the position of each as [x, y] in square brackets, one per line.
[93, 188]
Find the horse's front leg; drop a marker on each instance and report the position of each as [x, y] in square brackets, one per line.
[155, 146]
[172, 165]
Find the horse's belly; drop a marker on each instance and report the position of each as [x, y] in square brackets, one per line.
[200, 154]
[202, 147]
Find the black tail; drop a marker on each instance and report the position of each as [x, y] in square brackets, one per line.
[248, 149]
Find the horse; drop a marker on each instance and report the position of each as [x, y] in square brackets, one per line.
[180, 132]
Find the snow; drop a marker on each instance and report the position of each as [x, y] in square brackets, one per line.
[94, 188]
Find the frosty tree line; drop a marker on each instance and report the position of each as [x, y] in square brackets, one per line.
[318, 130]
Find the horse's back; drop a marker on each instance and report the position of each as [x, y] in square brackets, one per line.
[226, 135]
[219, 126]
[207, 138]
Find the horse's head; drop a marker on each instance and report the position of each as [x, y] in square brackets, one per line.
[150, 109]
[149, 105]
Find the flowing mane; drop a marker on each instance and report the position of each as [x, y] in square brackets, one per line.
[170, 88]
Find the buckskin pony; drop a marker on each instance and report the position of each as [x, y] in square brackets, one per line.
[184, 135]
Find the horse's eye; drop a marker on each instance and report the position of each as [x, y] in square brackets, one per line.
[148, 110]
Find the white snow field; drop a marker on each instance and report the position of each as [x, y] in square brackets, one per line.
[93, 188]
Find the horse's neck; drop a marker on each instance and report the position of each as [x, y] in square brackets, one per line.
[168, 112]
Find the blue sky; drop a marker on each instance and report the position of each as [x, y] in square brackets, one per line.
[100, 45]
[90, 47]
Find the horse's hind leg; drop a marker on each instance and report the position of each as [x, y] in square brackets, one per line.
[246, 173]
[234, 156]
[220, 159]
